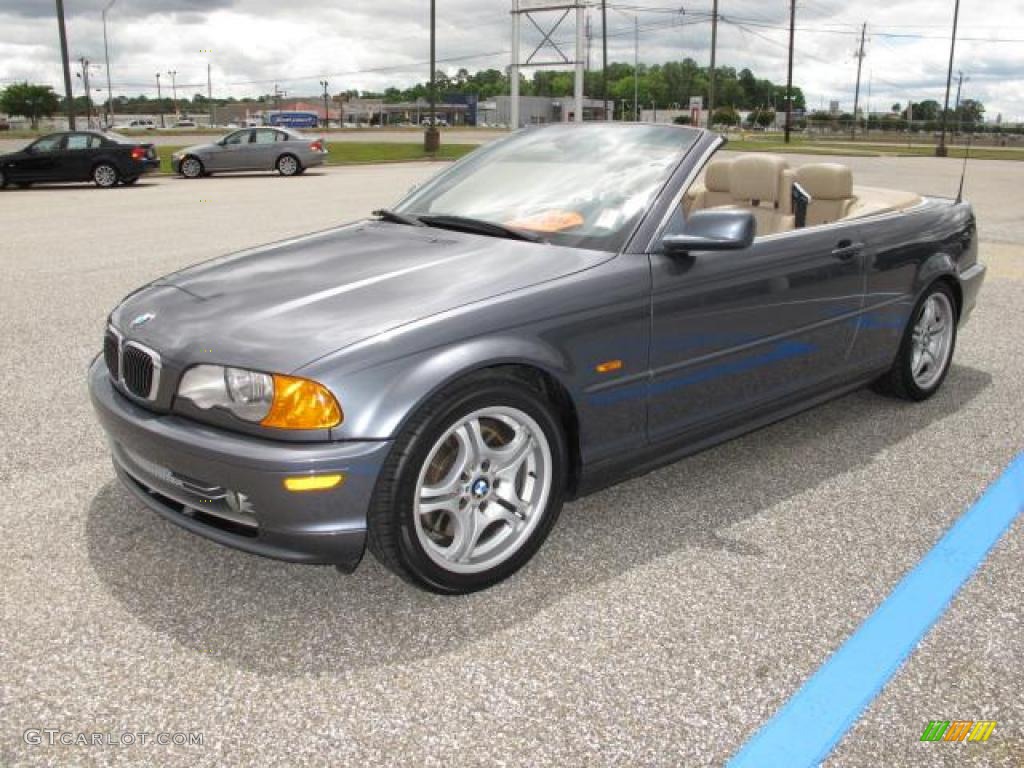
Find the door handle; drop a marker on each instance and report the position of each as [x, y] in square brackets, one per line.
[846, 250]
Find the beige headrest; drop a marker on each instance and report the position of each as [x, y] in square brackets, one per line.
[826, 181]
[756, 177]
[716, 177]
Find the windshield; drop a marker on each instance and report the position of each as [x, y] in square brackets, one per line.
[584, 186]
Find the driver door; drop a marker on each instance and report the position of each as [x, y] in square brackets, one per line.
[735, 332]
[229, 155]
[40, 161]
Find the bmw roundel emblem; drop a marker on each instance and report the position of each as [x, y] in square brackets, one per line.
[481, 488]
[142, 319]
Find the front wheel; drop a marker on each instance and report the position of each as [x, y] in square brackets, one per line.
[288, 165]
[926, 351]
[191, 167]
[472, 486]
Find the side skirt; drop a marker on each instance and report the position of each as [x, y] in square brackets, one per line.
[596, 477]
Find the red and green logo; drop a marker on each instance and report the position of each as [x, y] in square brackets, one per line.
[958, 730]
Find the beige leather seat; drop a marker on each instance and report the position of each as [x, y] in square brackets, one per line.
[830, 186]
[715, 191]
[758, 183]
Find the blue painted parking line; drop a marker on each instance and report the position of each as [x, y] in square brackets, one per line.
[809, 725]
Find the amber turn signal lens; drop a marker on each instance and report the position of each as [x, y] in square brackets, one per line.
[313, 482]
[302, 404]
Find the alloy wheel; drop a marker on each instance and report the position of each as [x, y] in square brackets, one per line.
[483, 489]
[191, 168]
[932, 340]
[104, 176]
[287, 165]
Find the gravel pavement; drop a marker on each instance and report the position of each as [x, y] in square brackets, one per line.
[663, 622]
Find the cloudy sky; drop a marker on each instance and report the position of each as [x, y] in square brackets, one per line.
[369, 44]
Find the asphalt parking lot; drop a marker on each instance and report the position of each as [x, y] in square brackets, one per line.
[663, 623]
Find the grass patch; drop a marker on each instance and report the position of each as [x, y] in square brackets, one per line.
[357, 152]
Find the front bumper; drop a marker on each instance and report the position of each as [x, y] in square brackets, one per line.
[184, 471]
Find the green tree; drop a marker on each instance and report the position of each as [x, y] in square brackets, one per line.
[31, 101]
[726, 116]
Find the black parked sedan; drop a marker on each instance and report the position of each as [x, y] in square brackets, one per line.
[103, 158]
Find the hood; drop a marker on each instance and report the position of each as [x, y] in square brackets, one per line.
[278, 307]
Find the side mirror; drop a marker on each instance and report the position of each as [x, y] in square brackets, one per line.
[710, 230]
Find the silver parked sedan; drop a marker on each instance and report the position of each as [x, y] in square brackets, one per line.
[251, 149]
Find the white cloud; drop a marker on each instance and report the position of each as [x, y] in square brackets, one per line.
[369, 45]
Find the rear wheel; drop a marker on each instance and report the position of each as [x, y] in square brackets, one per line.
[104, 175]
[191, 167]
[472, 486]
[288, 165]
[926, 350]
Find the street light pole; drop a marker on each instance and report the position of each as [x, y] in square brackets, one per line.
[789, 73]
[106, 56]
[69, 95]
[432, 138]
[327, 115]
[160, 101]
[174, 90]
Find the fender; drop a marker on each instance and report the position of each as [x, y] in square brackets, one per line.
[377, 401]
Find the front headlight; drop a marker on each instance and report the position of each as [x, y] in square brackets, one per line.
[271, 400]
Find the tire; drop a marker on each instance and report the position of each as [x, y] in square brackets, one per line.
[24, 184]
[288, 165]
[926, 350]
[105, 176]
[500, 508]
[191, 167]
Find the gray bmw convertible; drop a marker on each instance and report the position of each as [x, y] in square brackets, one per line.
[558, 311]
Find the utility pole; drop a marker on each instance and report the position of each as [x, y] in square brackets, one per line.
[604, 58]
[160, 101]
[636, 68]
[956, 108]
[106, 56]
[856, 93]
[941, 151]
[69, 96]
[789, 73]
[84, 74]
[209, 93]
[590, 39]
[174, 90]
[711, 78]
[327, 114]
[432, 137]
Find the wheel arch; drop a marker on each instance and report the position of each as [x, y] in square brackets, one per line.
[382, 400]
[940, 267]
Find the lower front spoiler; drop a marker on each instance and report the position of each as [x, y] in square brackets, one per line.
[343, 549]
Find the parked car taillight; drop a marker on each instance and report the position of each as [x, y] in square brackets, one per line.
[317, 146]
[138, 153]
